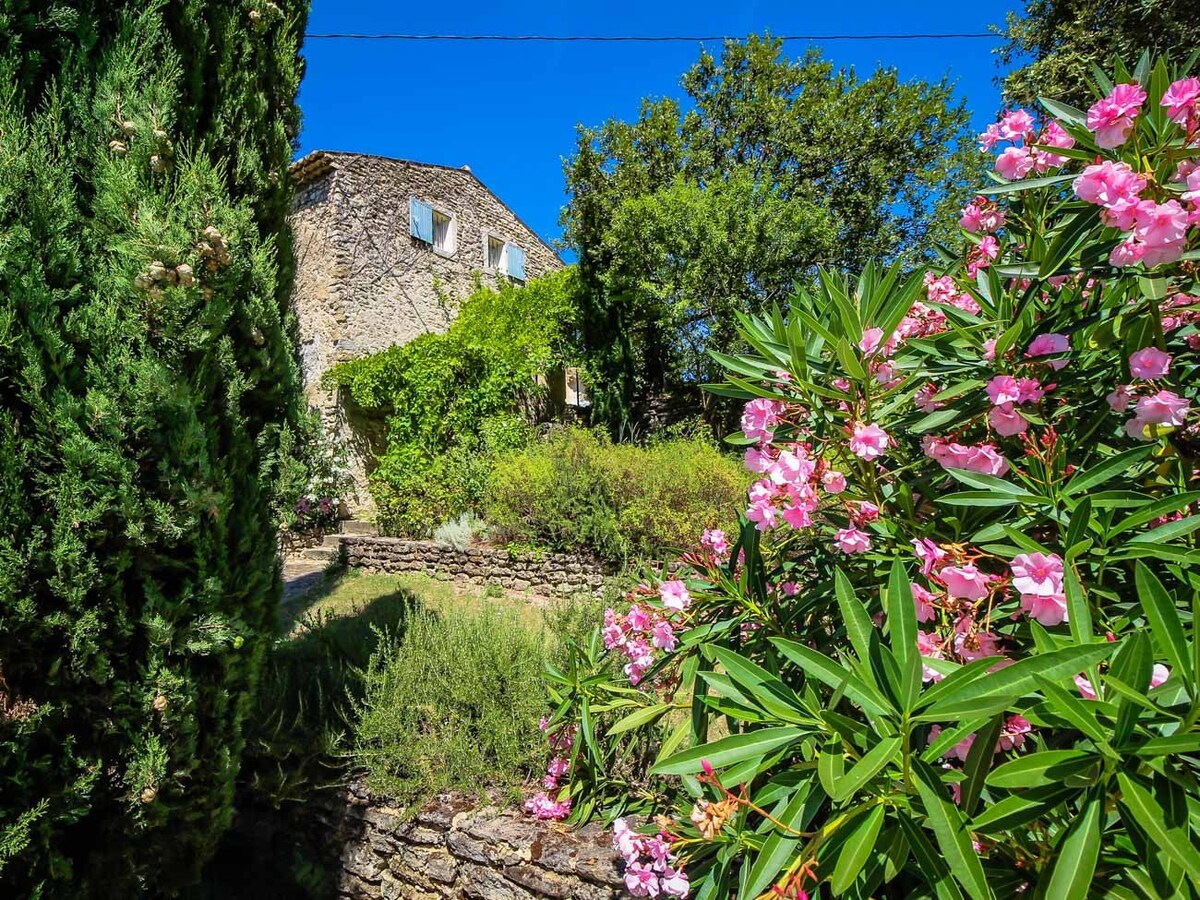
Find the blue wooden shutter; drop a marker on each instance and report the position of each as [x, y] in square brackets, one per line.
[420, 220]
[516, 262]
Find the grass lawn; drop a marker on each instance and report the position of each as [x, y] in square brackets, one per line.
[386, 599]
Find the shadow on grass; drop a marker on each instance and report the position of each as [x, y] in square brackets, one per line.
[296, 749]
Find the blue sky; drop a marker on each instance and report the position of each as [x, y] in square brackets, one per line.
[510, 110]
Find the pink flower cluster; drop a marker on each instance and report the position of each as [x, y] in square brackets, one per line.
[759, 419]
[645, 629]
[982, 216]
[1111, 119]
[1152, 409]
[1158, 675]
[651, 869]
[1038, 578]
[788, 492]
[1156, 233]
[1022, 157]
[943, 290]
[542, 805]
[1012, 736]
[949, 454]
[1006, 393]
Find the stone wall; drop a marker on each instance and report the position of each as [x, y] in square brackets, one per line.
[454, 847]
[547, 575]
[363, 283]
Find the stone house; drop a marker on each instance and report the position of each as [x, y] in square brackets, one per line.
[381, 246]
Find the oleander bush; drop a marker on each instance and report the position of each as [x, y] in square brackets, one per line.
[950, 651]
[577, 491]
[146, 381]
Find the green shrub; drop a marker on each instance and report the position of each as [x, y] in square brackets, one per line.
[578, 491]
[453, 704]
[146, 378]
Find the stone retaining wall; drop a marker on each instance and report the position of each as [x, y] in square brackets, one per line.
[454, 848]
[551, 574]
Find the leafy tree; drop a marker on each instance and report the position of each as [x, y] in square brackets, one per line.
[683, 218]
[1065, 38]
[146, 381]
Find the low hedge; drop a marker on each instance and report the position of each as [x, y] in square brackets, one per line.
[577, 490]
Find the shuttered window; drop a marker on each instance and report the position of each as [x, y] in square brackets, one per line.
[516, 261]
[495, 254]
[420, 220]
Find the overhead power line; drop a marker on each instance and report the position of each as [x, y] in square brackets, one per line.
[646, 38]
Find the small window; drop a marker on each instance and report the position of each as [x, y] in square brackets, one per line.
[443, 232]
[495, 253]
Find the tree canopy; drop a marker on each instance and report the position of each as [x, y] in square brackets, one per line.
[719, 204]
[1062, 39]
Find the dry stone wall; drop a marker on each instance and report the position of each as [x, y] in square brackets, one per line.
[455, 847]
[547, 575]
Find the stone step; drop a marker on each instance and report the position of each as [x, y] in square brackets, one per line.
[324, 553]
[354, 526]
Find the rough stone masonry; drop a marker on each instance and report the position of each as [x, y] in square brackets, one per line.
[455, 848]
[546, 575]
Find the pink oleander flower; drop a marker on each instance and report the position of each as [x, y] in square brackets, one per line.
[929, 647]
[1006, 421]
[971, 645]
[929, 553]
[1048, 610]
[759, 461]
[924, 398]
[1003, 389]
[1108, 184]
[871, 339]
[869, 441]
[1052, 135]
[1016, 125]
[1159, 675]
[966, 582]
[674, 595]
[834, 482]
[866, 513]
[638, 619]
[641, 880]
[662, 636]
[763, 514]
[924, 600]
[1180, 100]
[714, 539]
[1120, 398]
[1015, 163]
[1039, 574]
[558, 767]
[792, 468]
[759, 419]
[1163, 408]
[989, 349]
[1086, 690]
[1046, 344]
[981, 458]
[960, 750]
[542, 806]
[1030, 390]
[1149, 363]
[981, 216]
[797, 516]
[1111, 119]
[790, 588]
[674, 882]
[1013, 733]
[851, 540]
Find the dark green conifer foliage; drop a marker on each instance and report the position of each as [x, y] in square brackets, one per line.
[146, 375]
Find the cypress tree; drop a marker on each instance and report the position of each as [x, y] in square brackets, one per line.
[146, 378]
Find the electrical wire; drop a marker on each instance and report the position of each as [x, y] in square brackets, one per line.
[646, 39]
